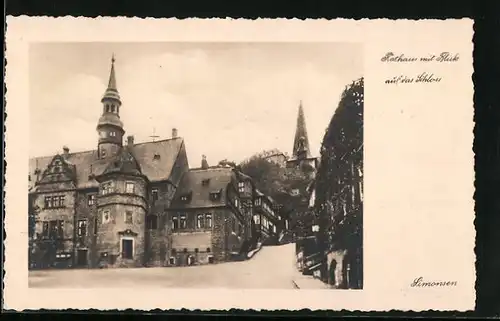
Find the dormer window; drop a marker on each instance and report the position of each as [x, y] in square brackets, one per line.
[186, 197]
[215, 196]
[205, 182]
[112, 134]
[103, 153]
[241, 187]
[258, 202]
[156, 156]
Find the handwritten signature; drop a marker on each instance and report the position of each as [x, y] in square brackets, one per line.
[420, 282]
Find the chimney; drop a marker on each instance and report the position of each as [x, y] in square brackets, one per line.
[130, 141]
[65, 150]
[204, 163]
[174, 132]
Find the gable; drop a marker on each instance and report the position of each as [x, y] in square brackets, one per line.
[58, 172]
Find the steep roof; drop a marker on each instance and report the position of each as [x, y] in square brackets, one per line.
[124, 163]
[155, 159]
[197, 184]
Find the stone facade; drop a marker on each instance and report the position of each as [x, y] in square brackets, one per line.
[131, 205]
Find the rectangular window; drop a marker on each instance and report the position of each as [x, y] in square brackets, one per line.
[200, 221]
[91, 199]
[175, 222]
[52, 229]
[152, 222]
[154, 194]
[107, 188]
[128, 217]
[48, 202]
[96, 223]
[45, 229]
[241, 187]
[61, 201]
[208, 220]
[183, 221]
[256, 219]
[82, 228]
[106, 216]
[129, 188]
[127, 249]
[60, 229]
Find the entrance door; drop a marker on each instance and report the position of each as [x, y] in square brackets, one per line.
[81, 258]
[127, 249]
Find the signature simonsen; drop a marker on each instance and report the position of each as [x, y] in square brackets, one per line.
[420, 282]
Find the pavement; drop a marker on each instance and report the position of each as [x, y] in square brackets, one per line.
[272, 267]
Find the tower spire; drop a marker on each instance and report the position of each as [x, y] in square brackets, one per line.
[112, 90]
[109, 126]
[301, 141]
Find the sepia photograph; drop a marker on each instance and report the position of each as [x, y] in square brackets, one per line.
[196, 165]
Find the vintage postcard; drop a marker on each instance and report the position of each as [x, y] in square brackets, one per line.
[249, 164]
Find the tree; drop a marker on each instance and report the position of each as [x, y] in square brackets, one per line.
[280, 183]
[339, 179]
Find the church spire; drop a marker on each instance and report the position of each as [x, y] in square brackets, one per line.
[301, 141]
[112, 91]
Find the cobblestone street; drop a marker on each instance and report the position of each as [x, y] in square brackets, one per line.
[271, 268]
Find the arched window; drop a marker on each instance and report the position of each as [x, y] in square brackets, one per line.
[107, 108]
[113, 108]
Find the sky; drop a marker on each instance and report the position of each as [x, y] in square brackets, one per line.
[227, 100]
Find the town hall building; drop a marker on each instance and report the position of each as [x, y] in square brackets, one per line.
[135, 204]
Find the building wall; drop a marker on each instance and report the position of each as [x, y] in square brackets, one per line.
[157, 240]
[204, 242]
[88, 213]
